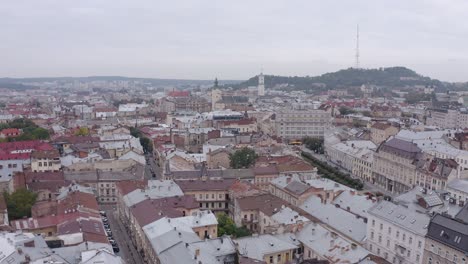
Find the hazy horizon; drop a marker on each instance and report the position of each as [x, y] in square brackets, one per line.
[230, 40]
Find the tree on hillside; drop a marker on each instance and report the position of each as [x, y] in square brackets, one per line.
[226, 226]
[243, 158]
[19, 203]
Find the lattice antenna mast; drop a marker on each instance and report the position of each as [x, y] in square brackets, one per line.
[357, 48]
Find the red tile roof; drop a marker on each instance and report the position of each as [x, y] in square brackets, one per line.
[10, 131]
[205, 185]
[178, 93]
[149, 211]
[77, 200]
[126, 187]
[21, 149]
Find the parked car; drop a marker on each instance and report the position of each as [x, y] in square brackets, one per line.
[103, 213]
[116, 249]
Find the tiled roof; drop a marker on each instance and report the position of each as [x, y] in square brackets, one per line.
[45, 154]
[381, 126]
[148, 211]
[202, 185]
[266, 203]
[126, 187]
[402, 145]
[266, 170]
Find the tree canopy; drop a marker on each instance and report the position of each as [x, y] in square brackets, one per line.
[19, 203]
[243, 158]
[314, 144]
[30, 130]
[226, 226]
[346, 110]
[83, 131]
[146, 144]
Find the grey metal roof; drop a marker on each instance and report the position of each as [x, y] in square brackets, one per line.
[450, 232]
[401, 216]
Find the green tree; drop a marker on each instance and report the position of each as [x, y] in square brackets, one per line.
[226, 226]
[83, 131]
[346, 110]
[314, 144]
[146, 144]
[135, 132]
[243, 158]
[19, 203]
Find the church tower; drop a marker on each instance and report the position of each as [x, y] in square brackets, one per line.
[261, 85]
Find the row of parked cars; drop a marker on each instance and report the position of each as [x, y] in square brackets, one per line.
[151, 168]
[105, 221]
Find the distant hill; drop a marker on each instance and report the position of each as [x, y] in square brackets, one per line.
[23, 83]
[386, 77]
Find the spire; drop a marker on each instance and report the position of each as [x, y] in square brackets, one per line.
[216, 83]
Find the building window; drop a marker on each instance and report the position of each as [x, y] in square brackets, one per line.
[279, 257]
[271, 259]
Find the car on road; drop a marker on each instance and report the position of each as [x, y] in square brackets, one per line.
[116, 248]
[109, 232]
[103, 213]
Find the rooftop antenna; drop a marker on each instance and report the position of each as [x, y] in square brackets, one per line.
[357, 48]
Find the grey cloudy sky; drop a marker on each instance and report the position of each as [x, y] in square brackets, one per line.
[201, 39]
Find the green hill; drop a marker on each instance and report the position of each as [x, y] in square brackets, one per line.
[385, 77]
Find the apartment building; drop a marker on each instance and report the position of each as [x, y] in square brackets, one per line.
[447, 239]
[298, 123]
[396, 233]
[447, 118]
[382, 131]
[45, 160]
[394, 165]
[210, 194]
[266, 248]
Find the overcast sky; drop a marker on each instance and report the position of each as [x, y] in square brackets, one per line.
[201, 39]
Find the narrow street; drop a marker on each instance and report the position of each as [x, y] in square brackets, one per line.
[121, 236]
[152, 169]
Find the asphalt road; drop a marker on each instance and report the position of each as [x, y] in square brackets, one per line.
[152, 168]
[128, 253]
